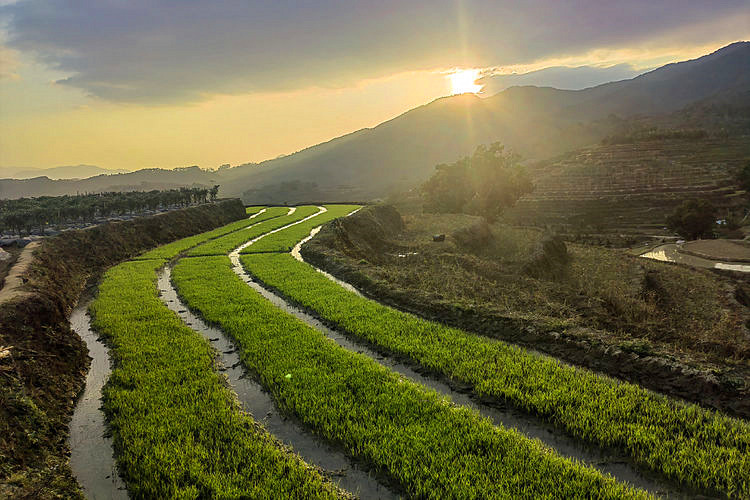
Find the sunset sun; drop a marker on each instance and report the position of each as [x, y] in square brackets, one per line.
[463, 81]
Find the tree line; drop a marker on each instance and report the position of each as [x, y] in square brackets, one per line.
[26, 214]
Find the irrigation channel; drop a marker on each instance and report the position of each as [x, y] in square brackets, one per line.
[92, 456]
[91, 453]
[610, 461]
[348, 474]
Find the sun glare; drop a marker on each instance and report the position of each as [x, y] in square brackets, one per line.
[463, 81]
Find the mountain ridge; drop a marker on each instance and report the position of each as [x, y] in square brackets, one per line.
[536, 122]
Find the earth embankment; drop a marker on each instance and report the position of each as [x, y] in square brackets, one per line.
[43, 363]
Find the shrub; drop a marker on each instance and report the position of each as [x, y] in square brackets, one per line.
[485, 184]
[693, 219]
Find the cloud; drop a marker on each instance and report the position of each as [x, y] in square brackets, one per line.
[163, 51]
[8, 64]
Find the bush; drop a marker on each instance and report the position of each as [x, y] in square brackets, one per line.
[693, 219]
[485, 184]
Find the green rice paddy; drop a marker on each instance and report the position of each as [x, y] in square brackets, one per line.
[179, 432]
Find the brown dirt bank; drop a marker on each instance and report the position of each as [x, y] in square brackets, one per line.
[43, 363]
[622, 327]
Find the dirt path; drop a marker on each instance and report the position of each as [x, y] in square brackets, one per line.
[724, 250]
[16, 276]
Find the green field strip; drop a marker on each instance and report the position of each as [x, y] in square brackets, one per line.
[173, 249]
[430, 446]
[689, 444]
[253, 210]
[230, 241]
[279, 241]
[178, 432]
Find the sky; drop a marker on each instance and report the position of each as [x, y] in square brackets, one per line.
[167, 83]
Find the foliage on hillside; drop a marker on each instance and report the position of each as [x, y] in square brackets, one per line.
[654, 134]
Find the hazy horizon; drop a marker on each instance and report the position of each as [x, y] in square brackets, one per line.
[248, 84]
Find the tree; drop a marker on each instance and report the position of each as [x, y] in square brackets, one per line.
[485, 183]
[214, 192]
[693, 219]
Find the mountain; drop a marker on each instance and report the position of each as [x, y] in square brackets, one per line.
[559, 77]
[63, 172]
[536, 122]
[140, 180]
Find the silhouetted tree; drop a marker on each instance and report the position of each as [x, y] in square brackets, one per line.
[485, 183]
[693, 219]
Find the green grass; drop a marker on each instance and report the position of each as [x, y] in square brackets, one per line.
[281, 241]
[173, 249]
[177, 431]
[253, 210]
[685, 442]
[431, 447]
[228, 242]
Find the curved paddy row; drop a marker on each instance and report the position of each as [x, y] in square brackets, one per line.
[368, 408]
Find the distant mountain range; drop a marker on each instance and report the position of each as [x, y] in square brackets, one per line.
[560, 77]
[63, 172]
[536, 122]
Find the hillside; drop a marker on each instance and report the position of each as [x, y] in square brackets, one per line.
[535, 122]
[631, 185]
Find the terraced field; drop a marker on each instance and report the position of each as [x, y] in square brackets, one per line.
[633, 187]
[412, 403]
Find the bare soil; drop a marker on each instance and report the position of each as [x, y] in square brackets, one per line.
[5, 265]
[15, 276]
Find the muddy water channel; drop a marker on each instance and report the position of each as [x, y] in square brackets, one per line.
[296, 253]
[91, 454]
[670, 253]
[346, 472]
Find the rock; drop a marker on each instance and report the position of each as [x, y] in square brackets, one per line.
[438, 237]
[4, 255]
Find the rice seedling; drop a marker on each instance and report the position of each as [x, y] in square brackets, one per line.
[685, 442]
[283, 241]
[431, 447]
[178, 433]
[175, 248]
[226, 243]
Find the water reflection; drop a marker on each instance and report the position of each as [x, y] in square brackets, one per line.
[670, 253]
